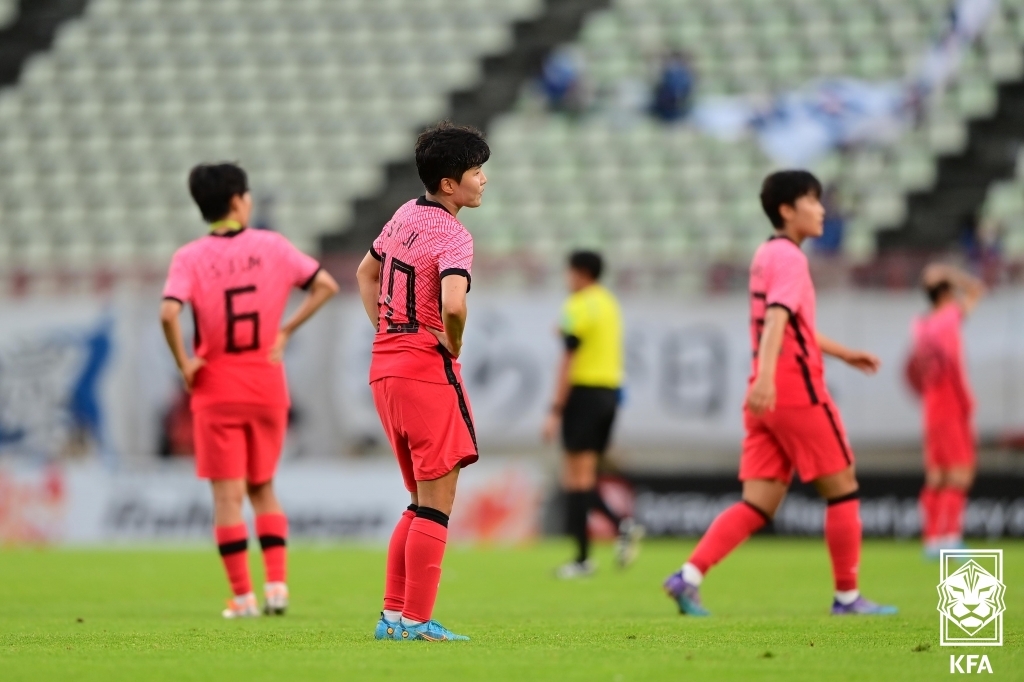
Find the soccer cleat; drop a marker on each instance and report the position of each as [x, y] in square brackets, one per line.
[387, 630]
[862, 607]
[431, 631]
[576, 569]
[627, 546]
[685, 595]
[242, 606]
[276, 599]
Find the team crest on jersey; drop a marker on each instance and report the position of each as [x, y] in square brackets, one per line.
[971, 597]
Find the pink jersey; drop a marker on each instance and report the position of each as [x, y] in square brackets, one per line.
[780, 276]
[421, 245]
[939, 350]
[238, 285]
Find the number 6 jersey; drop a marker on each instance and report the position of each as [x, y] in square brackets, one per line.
[421, 245]
[238, 285]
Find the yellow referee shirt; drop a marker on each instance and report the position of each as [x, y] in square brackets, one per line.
[592, 326]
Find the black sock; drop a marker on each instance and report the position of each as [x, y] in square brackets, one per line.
[597, 502]
[578, 504]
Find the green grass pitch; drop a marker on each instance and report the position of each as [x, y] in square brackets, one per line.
[135, 615]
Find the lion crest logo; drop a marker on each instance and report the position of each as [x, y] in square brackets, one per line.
[971, 597]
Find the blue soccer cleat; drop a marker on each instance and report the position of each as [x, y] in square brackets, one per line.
[387, 630]
[685, 595]
[431, 631]
[862, 607]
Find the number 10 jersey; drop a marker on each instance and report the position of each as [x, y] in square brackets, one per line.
[421, 245]
[238, 285]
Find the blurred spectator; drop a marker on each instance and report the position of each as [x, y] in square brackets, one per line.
[673, 94]
[830, 242]
[562, 79]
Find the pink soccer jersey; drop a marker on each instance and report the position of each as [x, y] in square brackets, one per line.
[238, 285]
[422, 244]
[780, 276]
[937, 339]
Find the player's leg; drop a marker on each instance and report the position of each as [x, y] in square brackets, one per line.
[221, 458]
[272, 531]
[424, 553]
[389, 625]
[232, 542]
[928, 507]
[266, 429]
[579, 480]
[953, 502]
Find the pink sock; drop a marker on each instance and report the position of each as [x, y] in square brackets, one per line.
[424, 551]
[726, 533]
[842, 534]
[272, 530]
[394, 582]
[232, 541]
[952, 501]
[928, 506]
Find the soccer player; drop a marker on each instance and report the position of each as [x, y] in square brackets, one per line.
[937, 370]
[587, 391]
[413, 283]
[237, 281]
[791, 422]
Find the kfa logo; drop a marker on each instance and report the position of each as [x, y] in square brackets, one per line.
[971, 594]
[972, 663]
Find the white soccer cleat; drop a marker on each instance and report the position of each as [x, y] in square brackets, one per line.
[576, 569]
[276, 599]
[242, 606]
[627, 545]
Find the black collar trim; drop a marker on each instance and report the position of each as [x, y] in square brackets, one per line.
[782, 236]
[424, 201]
[228, 235]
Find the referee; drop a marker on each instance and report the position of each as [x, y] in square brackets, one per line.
[587, 394]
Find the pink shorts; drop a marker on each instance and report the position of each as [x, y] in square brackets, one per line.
[430, 426]
[239, 441]
[948, 444]
[810, 440]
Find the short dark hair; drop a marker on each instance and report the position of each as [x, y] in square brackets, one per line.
[589, 262]
[938, 290]
[213, 184]
[447, 150]
[784, 188]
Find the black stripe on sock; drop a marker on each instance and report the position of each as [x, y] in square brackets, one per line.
[431, 514]
[762, 512]
[844, 498]
[268, 541]
[412, 508]
[235, 547]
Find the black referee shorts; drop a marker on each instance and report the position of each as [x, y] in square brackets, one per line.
[588, 417]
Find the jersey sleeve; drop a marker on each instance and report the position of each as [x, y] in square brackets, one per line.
[302, 268]
[787, 281]
[455, 256]
[178, 286]
[575, 322]
[377, 245]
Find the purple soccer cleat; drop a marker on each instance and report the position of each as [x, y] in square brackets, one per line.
[862, 607]
[685, 595]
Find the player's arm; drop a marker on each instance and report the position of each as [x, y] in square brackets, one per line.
[968, 288]
[859, 359]
[453, 312]
[170, 309]
[761, 396]
[321, 290]
[368, 277]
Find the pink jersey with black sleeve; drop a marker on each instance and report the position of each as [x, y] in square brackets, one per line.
[238, 284]
[421, 245]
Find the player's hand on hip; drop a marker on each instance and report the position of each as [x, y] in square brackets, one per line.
[188, 371]
[761, 397]
[280, 343]
[550, 428]
[442, 339]
[864, 361]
